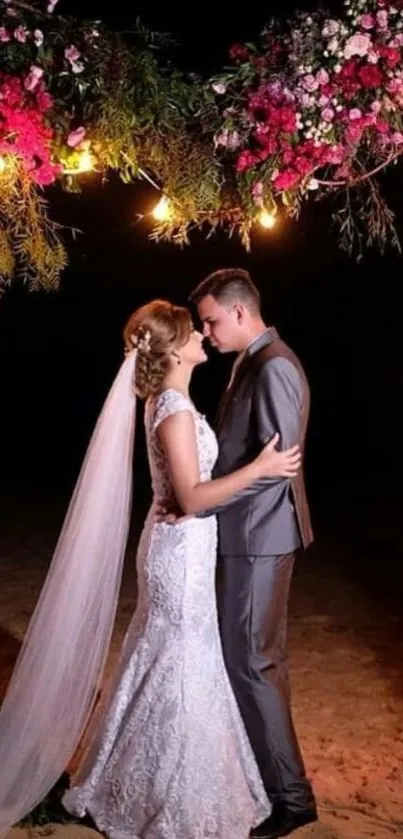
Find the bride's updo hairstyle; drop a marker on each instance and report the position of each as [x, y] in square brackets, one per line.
[155, 330]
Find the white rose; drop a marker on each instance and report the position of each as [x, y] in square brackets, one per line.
[219, 88]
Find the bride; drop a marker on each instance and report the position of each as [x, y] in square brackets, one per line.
[168, 756]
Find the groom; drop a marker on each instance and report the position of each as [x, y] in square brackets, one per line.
[260, 530]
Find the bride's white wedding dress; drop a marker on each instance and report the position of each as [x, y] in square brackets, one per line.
[171, 759]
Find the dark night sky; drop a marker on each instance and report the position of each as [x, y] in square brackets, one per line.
[59, 352]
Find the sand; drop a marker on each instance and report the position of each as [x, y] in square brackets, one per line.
[346, 654]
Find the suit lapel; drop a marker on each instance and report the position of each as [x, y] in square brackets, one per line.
[266, 338]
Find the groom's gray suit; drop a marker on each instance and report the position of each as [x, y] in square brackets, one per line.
[259, 530]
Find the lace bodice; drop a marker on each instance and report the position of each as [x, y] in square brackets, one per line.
[169, 402]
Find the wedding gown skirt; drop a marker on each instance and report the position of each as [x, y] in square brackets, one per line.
[171, 759]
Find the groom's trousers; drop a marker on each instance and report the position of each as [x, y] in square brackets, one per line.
[253, 597]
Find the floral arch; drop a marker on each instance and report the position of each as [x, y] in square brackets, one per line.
[315, 107]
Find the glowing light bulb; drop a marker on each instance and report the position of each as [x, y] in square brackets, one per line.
[85, 162]
[162, 209]
[267, 220]
[2, 164]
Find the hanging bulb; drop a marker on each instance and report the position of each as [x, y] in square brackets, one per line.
[2, 164]
[162, 209]
[267, 219]
[85, 161]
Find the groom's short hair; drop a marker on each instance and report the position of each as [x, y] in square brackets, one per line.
[229, 285]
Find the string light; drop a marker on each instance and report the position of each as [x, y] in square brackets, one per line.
[85, 163]
[267, 220]
[2, 164]
[162, 210]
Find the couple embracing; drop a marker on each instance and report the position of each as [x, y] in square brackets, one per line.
[194, 739]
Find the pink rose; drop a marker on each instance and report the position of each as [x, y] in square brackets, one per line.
[373, 56]
[76, 137]
[367, 21]
[257, 193]
[4, 36]
[234, 140]
[358, 44]
[310, 83]
[34, 76]
[257, 189]
[305, 100]
[21, 34]
[330, 28]
[327, 114]
[382, 19]
[229, 139]
[355, 113]
[322, 77]
[397, 138]
[376, 107]
[72, 54]
[288, 96]
[323, 100]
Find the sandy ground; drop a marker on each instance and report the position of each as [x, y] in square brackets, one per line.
[347, 678]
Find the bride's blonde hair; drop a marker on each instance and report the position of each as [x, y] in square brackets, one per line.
[156, 330]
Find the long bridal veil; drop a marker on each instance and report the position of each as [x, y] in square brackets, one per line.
[58, 671]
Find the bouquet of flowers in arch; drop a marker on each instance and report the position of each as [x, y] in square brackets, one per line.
[318, 106]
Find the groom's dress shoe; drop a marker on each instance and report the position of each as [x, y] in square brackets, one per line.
[283, 822]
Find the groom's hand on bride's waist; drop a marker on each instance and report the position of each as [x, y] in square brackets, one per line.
[170, 515]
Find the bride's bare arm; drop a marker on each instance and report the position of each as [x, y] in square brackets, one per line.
[177, 434]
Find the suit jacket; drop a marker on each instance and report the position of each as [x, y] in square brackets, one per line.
[269, 394]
